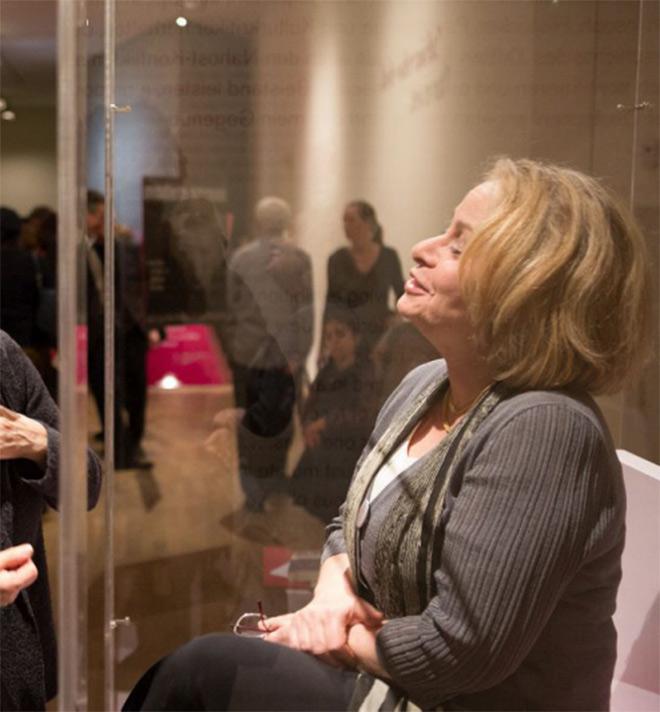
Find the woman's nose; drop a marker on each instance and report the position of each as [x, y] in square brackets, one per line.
[426, 250]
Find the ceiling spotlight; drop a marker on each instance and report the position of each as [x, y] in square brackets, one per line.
[8, 115]
[181, 21]
[3, 104]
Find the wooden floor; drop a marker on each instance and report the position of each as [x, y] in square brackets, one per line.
[188, 558]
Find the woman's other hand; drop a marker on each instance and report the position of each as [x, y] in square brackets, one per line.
[228, 417]
[312, 432]
[226, 422]
[322, 627]
[17, 571]
[22, 437]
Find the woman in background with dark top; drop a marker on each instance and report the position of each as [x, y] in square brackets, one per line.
[337, 418]
[361, 276]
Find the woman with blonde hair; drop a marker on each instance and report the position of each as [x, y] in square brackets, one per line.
[477, 557]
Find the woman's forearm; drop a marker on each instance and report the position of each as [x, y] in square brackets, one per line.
[362, 642]
[334, 576]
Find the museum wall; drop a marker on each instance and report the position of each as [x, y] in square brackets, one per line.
[28, 170]
[402, 107]
[401, 104]
[397, 107]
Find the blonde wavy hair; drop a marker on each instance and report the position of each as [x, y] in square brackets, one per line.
[556, 281]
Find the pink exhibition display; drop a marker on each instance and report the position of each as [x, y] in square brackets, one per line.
[191, 354]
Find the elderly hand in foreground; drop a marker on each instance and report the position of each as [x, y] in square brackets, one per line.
[226, 421]
[22, 437]
[228, 417]
[17, 571]
[322, 627]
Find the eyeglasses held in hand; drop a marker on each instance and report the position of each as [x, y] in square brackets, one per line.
[252, 625]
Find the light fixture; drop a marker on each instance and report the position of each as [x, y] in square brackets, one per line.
[181, 21]
[169, 382]
[8, 115]
[3, 104]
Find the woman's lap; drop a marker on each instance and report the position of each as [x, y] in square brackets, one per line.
[218, 672]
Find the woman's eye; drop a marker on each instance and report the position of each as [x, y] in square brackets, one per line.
[456, 250]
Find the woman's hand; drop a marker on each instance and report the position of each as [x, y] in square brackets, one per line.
[17, 571]
[228, 417]
[22, 437]
[312, 432]
[322, 627]
[226, 422]
[323, 630]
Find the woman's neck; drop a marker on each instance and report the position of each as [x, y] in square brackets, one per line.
[467, 379]
[468, 372]
[366, 247]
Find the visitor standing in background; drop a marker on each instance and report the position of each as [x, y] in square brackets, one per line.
[270, 319]
[131, 340]
[361, 277]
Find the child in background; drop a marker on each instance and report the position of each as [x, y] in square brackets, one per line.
[337, 418]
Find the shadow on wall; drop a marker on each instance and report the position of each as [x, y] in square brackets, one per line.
[643, 664]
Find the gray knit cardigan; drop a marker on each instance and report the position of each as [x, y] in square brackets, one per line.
[28, 674]
[526, 555]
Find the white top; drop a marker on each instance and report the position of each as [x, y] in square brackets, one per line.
[398, 462]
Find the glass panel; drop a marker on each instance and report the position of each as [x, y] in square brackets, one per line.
[252, 351]
[318, 104]
[72, 330]
[641, 413]
[43, 82]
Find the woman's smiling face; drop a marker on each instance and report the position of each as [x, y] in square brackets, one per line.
[432, 296]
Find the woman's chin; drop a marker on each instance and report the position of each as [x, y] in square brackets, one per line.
[410, 307]
[405, 306]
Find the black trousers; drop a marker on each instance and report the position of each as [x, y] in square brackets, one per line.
[268, 397]
[130, 397]
[227, 672]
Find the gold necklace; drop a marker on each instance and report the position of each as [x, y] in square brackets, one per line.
[450, 415]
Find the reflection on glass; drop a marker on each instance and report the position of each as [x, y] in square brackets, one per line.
[354, 125]
[255, 347]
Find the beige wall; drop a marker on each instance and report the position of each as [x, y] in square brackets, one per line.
[402, 107]
[399, 107]
[28, 169]
[398, 103]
